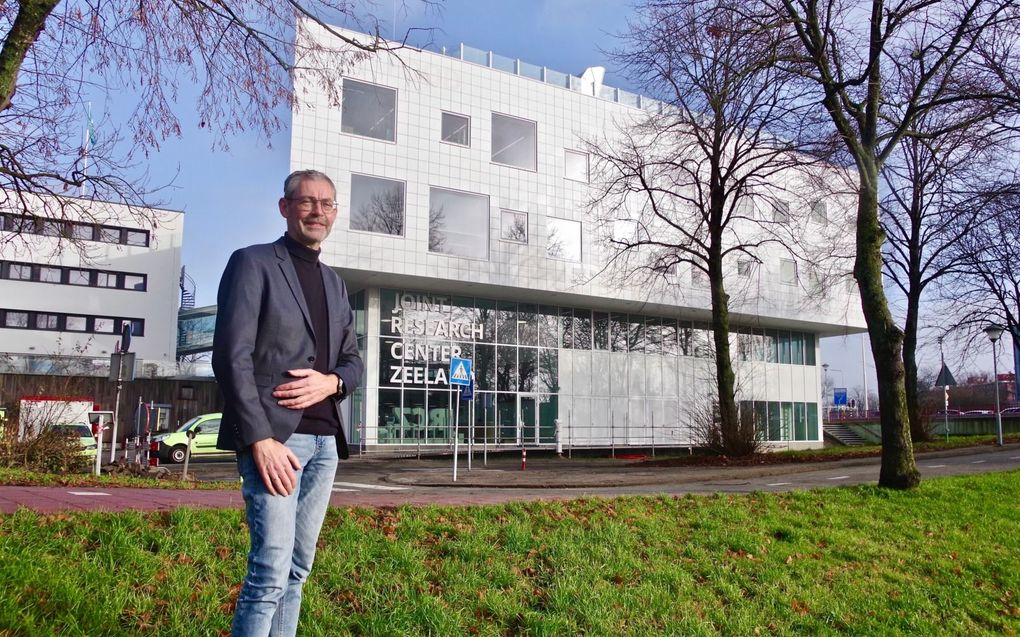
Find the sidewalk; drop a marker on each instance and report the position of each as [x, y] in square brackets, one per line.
[407, 481]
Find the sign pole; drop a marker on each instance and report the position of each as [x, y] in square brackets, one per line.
[456, 436]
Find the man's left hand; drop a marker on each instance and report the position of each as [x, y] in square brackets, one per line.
[310, 388]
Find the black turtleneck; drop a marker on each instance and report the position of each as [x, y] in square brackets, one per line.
[320, 419]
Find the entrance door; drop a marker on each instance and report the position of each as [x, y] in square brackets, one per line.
[527, 418]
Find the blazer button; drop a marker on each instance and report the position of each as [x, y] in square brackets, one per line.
[311, 359]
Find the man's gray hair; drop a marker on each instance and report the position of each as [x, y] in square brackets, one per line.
[293, 180]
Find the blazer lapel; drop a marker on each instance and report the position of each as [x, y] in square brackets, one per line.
[329, 284]
[290, 275]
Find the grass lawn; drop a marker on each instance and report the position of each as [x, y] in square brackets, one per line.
[938, 560]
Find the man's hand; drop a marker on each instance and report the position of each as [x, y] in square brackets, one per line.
[310, 388]
[276, 464]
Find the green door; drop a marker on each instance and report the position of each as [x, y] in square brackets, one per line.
[527, 415]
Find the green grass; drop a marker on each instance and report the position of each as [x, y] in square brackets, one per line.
[26, 478]
[938, 560]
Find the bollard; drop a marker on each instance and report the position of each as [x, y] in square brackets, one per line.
[524, 458]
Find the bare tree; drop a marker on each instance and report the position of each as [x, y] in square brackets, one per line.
[383, 212]
[679, 186]
[241, 53]
[877, 70]
[933, 201]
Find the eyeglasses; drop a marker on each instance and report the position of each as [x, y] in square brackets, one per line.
[307, 203]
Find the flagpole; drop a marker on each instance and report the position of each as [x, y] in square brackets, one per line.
[86, 137]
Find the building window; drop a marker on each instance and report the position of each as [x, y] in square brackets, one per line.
[819, 213]
[103, 325]
[134, 282]
[15, 319]
[698, 276]
[781, 212]
[458, 223]
[513, 226]
[45, 321]
[78, 277]
[369, 110]
[788, 272]
[137, 238]
[76, 324]
[377, 205]
[106, 280]
[514, 142]
[575, 165]
[563, 240]
[19, 272]
[49, 275]
[109, 235]
[51, 228]
[745, 267]
[82, 232]
[456, 129]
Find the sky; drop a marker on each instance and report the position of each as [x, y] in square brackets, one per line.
[229, 197]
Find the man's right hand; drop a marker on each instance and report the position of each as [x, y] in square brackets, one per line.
[276, 464]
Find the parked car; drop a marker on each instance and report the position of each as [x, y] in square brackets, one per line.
[83, 433]
[948, 412]
[979, 412]
[173, 445]
[1011, 411]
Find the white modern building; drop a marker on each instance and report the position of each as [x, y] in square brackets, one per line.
[59, 299]
[463, 185]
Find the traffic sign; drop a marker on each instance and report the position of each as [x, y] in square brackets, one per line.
[460, 371]
[839, 396]
[468, 392]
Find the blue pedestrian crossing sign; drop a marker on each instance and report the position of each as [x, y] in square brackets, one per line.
[468, 392]
[460, 371]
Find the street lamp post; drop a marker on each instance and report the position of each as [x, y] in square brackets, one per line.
[994, 332]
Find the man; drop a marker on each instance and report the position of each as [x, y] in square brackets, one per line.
[285, 355]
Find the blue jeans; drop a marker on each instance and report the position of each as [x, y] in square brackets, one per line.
[284, 530]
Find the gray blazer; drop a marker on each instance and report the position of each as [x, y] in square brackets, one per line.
[263, 329]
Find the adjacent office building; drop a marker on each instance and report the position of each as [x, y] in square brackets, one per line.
[464, 231]
[64, 305]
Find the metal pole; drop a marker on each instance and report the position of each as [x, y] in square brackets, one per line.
[652, 419]
[570, 434]
[945, 412]
[485, 434]
[612, 432]
[998, 411]
[456, 434]
[864, 373]
[116, 411]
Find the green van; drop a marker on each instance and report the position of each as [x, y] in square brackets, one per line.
[173, 445]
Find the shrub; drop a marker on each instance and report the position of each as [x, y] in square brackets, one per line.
[49, 452]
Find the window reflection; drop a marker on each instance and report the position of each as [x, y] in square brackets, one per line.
[368, 110]
[458, 223]
[377, 205]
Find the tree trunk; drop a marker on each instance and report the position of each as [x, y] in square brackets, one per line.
[898, 468]
[732, 436]
[27, 25]
[918, 432]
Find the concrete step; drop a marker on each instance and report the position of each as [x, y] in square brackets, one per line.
[842, 434]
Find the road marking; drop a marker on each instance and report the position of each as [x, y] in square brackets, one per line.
[934, 466]
[358, 485]
[87, 493]
[335, 490]
[977, 462]
[778, 484]
[838, 478]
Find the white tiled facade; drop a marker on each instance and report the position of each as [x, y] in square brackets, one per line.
[598, 396]
[57, 302]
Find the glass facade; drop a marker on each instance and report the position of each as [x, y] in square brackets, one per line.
[534, 364]
[368, 110]
[377, 205]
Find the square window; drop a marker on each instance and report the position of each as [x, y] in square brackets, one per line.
[51, 228]
[102, 325]
[745, 267]
[75, 324]
[781, 212]
[368, 110]
[137, 326]
[49, 275]
[513, 226]
[19, 272]
[788, 272]
[137, 238]
[109, 235]
[106, 280]
[16, 319]
[514, 142]
[563, 240]
[134, 282]
[377, 205]
[456, 129]
[78, 277]
[82, 232]
[698, 276]
[46, 321]
[458, 223]
[575, 165]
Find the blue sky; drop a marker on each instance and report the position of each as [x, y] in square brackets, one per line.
[229, 197]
